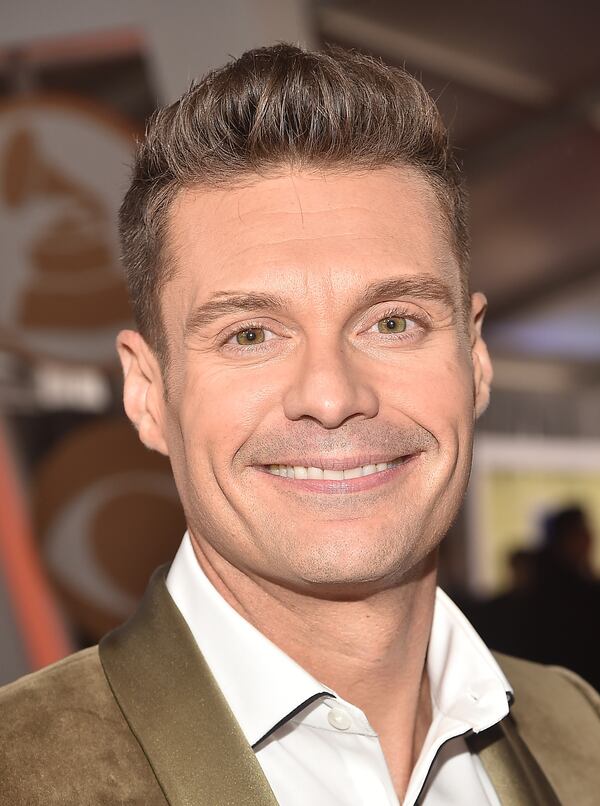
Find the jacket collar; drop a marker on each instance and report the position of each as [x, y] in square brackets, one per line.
[176, 711]
[512, 769]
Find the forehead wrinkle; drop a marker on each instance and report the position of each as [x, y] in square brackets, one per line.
[298, 200]
[252, 211]
[246, 204]
[305, 240]
[256, 217]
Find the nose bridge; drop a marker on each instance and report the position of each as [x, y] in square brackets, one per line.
[329, 384]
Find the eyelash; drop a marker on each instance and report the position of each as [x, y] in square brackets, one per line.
[421, 322]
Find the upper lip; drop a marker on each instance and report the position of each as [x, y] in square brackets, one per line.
[337, 463]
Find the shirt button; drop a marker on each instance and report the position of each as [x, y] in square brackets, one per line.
[339, 719]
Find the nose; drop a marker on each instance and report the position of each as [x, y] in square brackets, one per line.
[330, 387]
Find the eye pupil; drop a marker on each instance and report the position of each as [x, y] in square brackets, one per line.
[251, 336]
[392, 324]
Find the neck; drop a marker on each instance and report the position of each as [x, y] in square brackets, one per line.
[371, 651]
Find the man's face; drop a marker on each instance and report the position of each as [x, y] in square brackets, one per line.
[322, 387]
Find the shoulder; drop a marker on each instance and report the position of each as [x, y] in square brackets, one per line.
[50, 692]
[559, 690]
[64, 740]
[557, 715]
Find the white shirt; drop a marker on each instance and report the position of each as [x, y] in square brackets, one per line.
[314, 747]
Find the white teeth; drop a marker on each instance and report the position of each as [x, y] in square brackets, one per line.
[300, 472]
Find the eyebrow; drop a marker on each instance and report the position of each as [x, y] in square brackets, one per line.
[226, 302]
[422, 287]
[222, 303]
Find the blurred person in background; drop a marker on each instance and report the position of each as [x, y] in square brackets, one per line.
[553, 605]
[565, 598]
[501, 620]
[567, 546]
[312, 363]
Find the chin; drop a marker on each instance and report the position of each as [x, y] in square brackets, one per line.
[344, 567]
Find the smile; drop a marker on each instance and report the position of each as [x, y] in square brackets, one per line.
[319, 473]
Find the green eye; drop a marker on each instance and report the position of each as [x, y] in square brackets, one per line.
[254, 335]
[392, 324]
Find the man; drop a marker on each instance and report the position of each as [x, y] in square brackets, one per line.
[310, 360]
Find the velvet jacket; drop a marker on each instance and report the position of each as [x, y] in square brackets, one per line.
[140, 721]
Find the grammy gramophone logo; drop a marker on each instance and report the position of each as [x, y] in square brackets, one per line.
[63, 169]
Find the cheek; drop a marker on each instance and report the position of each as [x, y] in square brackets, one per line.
[452, 389]
[219, 409]
[435, 390]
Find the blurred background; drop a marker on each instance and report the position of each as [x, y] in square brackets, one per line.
[86, 513]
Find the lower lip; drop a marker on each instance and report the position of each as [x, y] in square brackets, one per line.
[343, 486]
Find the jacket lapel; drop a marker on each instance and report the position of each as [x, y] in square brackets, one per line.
[515, 774]
[195, 746]
[176, 710]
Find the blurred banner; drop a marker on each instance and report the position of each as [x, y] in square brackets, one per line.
[106, 514]
[33, 632]
[61, 172]
[102, 512]
[66, 136]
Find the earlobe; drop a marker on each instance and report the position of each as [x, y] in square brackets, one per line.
[482, 366]
[143, 395]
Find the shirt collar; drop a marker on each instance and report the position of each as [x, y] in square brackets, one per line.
[264, 687]
[467, 685]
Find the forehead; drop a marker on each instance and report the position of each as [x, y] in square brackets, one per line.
[320, 234]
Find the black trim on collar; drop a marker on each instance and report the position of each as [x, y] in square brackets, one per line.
[291, 715]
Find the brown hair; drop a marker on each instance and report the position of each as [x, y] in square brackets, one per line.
[272, 107]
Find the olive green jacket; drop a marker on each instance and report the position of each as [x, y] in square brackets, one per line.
[140, 721]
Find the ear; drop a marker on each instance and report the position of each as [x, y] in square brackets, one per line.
[482, 366]
[143, 390]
